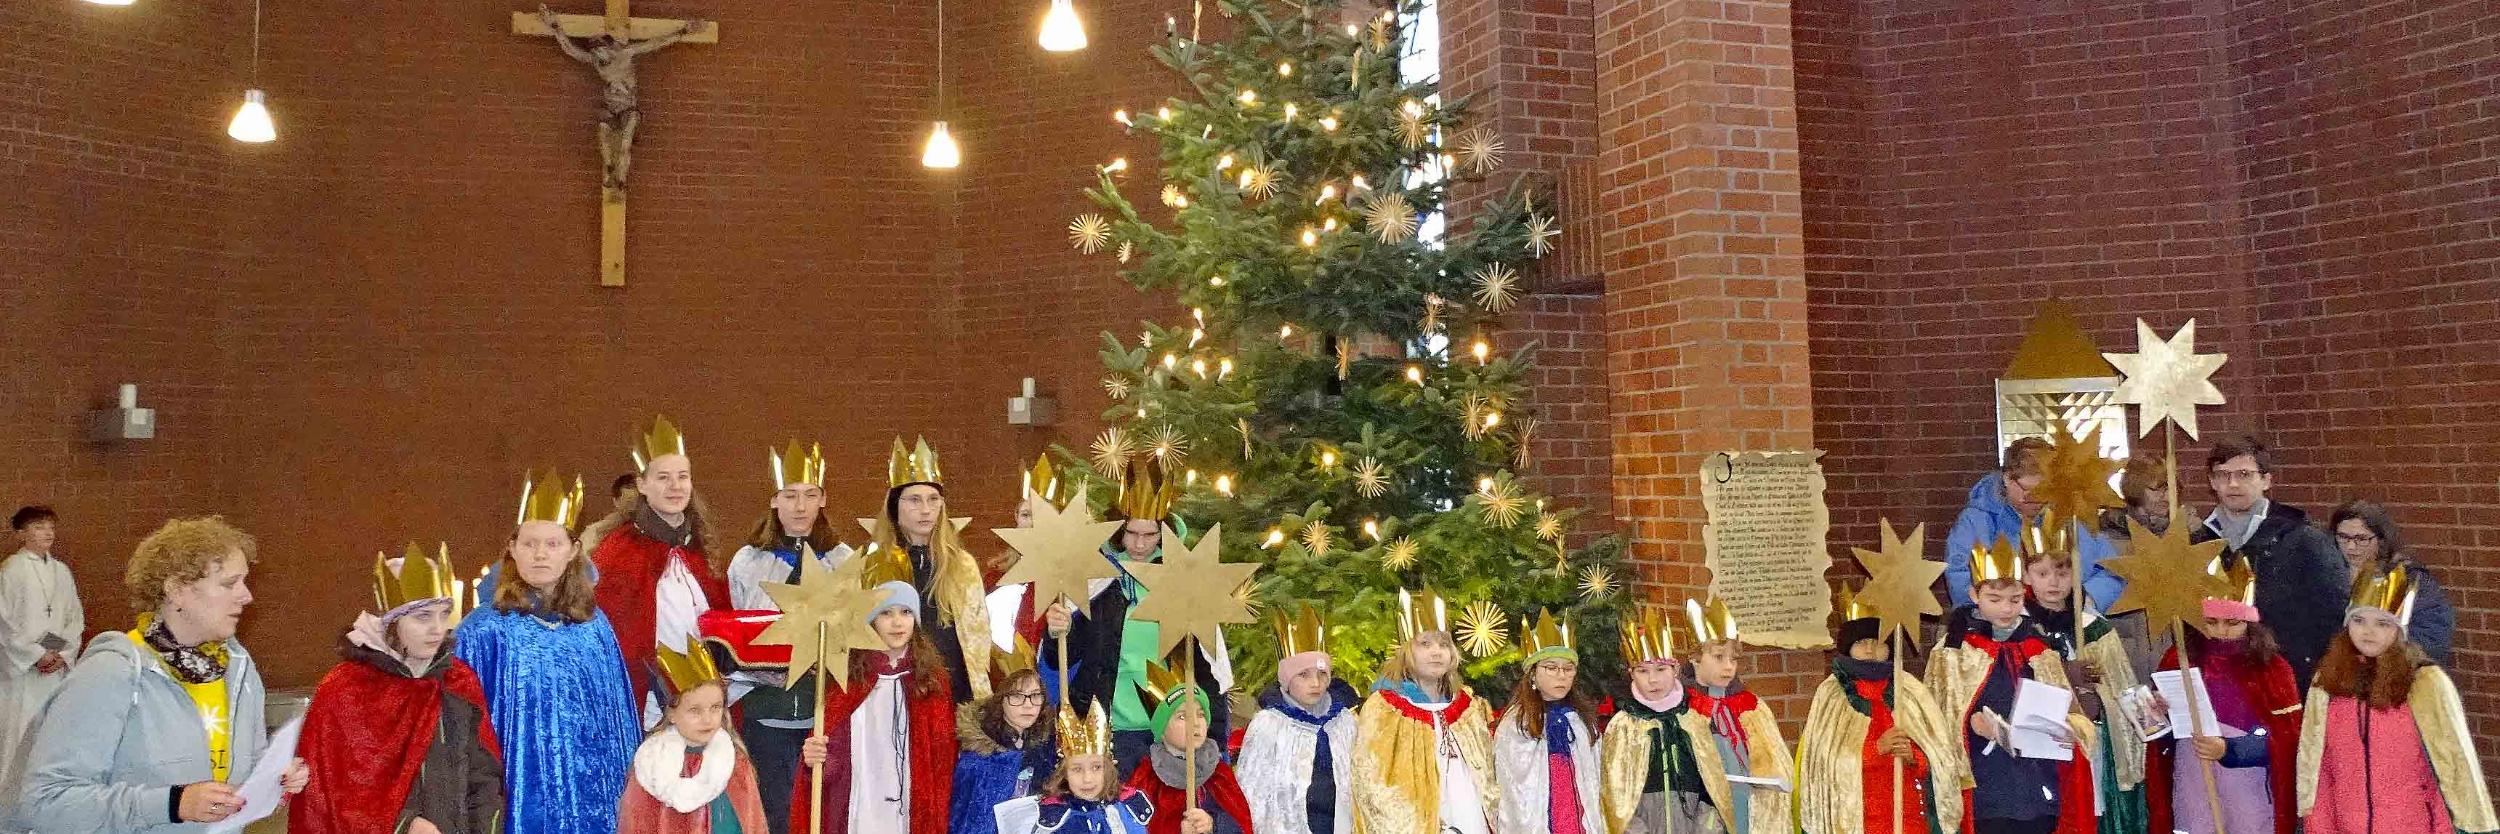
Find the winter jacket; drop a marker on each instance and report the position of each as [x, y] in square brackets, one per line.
[122, 733]
[1988, 517]
[2303, 582]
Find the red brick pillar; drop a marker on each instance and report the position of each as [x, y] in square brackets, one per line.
[1529, 71]
[1702, 247]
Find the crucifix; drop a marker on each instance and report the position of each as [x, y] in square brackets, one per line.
[608, 44]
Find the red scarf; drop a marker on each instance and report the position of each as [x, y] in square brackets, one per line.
[1725, 712]
[364, 741]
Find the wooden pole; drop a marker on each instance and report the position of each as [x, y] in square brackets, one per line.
[1896, 725]
[1189, 678]
[816, 778]
[2191, 681]
[1063, 651]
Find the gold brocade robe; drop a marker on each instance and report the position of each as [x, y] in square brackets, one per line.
[1397, 767]
[1623, 767]
[1956, 674]
[2109, 655]
[1830, 765]
[1765, 749]
[2440, 718]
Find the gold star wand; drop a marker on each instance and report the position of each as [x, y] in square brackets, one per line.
[2167, 380]
[823, 617]
[1192, 593]
[1060, 555]
[1898, 582]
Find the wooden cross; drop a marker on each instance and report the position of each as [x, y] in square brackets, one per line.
[608, 44]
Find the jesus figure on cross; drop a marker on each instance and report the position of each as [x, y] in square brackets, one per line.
[612, 57]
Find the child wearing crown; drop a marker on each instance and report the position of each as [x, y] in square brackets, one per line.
[1423, 756]
[1183, 750]
[396, 738]
[553, 676]
[1990, 649]
[1744, 761]
[2098, 665]
[2248, 682]
[894, 728]
[655, 579]
[1651, 784]
[2384, 748]
[1081, 796]
[1297, 757]
[1868, 719]
[1544, 755]
[1007, 750]
[691, 776]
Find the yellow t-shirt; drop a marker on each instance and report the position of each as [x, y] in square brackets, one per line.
[216, 715]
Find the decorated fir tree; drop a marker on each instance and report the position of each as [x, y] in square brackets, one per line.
[1339, 397]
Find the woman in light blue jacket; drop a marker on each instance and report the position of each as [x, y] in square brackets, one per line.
[157, 726]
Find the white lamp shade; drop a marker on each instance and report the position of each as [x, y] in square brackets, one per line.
[1061, 30]
[940, 152]
[251, 121]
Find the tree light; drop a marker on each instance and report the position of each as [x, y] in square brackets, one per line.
[1121, 116]
[1274, 537]
[1224, 485]
[1371, 528]
[1290, 110]
[1328, 459]
[1223, 162]
[1249, 96]
[1061, 30]
[1482, 350]
[1485, 485]
[1328, 123]
[1284, 68]
[1118, 164]
[1415, 374]
[1285, 332]
[1310, 236]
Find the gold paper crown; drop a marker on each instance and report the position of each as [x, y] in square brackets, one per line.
[793, 465]
[2049, 536]
[1005, 663]
[545, 498]
[1548, 635]
[1421, 612]
[2389, 590]
[2234, 583]
[419, 577]
[1145, 492]
[1042, 481]
[1088, 736]
[687, 670]
[1161, 683]
[1648, 636]
[918, 465]
[886, 564]
[1711, 621]
[1301, 633]
[1989, 563]
[1852, 609]
[662, 439]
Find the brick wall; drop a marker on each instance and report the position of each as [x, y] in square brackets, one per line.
[117, 264]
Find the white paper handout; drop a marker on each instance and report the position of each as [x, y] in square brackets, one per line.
[2173, 688]
[2039, 721]
[264, 790]
[1772, 782]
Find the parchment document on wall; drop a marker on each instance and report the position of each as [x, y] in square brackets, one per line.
[1765, 544]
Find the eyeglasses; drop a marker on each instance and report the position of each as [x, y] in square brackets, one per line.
[2235, 476]
[1023, 699]
[2357, 541]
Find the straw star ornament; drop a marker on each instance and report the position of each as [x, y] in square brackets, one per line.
[1193, 592]
[2168, 378]
[2075, 483]
[1898, 578]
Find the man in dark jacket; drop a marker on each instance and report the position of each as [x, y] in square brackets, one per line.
[2301, 579]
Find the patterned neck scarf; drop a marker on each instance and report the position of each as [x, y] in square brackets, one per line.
[192, 664]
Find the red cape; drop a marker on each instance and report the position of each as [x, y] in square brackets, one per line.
[629, 566]
[1170, 802]
[2268, 691]
[641, 813]
[364, 740]
[933, 748]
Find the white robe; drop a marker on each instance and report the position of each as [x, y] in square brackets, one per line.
[880, 751]
[754, 566]
[1275, 771]
[1521, 766]
[37, 597]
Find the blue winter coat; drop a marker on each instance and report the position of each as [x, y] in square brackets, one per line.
[1989, 516]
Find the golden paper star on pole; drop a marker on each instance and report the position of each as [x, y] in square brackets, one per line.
[2075, 481]
[2165, 575]
[826, 601]
[1900, 580]
[1061, 553]
[2167, 377]
[1193, 592]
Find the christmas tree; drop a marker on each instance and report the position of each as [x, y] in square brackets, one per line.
[1336, 399]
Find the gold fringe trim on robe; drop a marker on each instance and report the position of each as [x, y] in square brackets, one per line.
[1765, 748]
[2117, 675]
[1957, 673]
[1830, 796]
[2439, 717]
